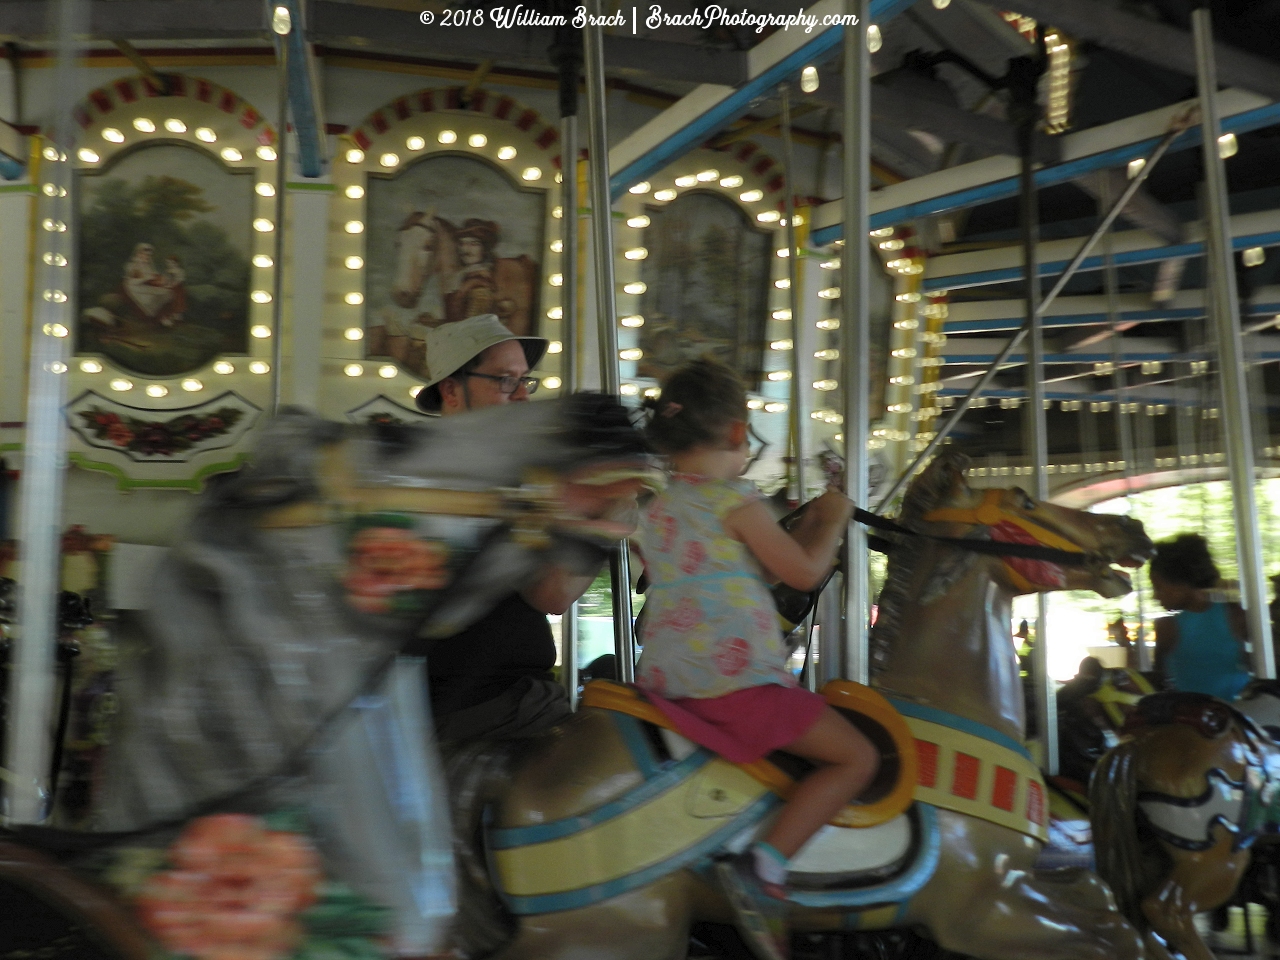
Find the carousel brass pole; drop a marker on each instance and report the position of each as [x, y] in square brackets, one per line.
[855, 327]
[799, 365]
[624, 640]
[283, 26]
[1220, 263]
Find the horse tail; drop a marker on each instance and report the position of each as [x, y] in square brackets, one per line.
[1123, 859]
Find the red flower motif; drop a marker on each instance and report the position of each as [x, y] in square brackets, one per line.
[668, 525]
[732, 656]
[764, 620]
[685, 616]
[388, 560]
[119, 434]
[694, 554]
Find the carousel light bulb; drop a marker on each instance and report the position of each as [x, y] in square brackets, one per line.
[415, 143]
[157, 390]
[414, 391]
[635, 288]
[769, 216]
[894, 244]
[259, 367]
[1254, 256]
[264, 189]
[260, 296]
[112, 135]
[706, 176]
[353, 226]
[353, 263]
[174, 125]
[557, 212]
[447, 136]
[354, 192]
[88, 155]
[639, 188]
[882, 232]
[388, 370]
[631, 353]
[783, 284]
[192, 385]
[831, 324]
[731, 182]
[266, 153]
[941, 4]
[781, 315]
[551, 383]
[1228, 145]
[354, 298]
[555, 313]
[203, 134]
[555, 346]
[775, 406]
[779, 375]
[632, 320]
[628, 389]
[809, 79]
[781, 345]
[389, 159]
[782, 252]
[281, 20]
[825, 384]
[353, 370]
[556, 279]
[636, 253]
[477, 140]
[223, 367]
[664, 195]
[232, 155]
[90, 366]
[638, 223]
[874, 40]
[262, 261]
[557, 246]
[751, 196]
[829, 354]
[506, 153]
[120, 384]
[355, 155]
[1135, 167]
[531, 174]
[144, 125]
[58, 330]
[260, 331]
[353, 333]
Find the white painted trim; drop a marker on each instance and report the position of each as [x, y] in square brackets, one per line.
[16, 211]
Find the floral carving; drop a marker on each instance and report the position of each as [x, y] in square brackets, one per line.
[161, 438]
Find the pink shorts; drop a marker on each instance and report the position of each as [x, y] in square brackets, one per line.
[747, 724]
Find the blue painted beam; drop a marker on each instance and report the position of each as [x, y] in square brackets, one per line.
[1129, 258]
[817, 51]
[1244, 122]
[11, 169]
[1005, 324]
[1016, 359]
[13, 152]
[307, 124]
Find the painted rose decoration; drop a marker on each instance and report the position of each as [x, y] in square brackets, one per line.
[386, 560]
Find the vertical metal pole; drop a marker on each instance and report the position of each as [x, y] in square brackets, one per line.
[1038, 445]
[569, 345]
[855, 327]
[799, 362]
[624, 640]
[1226, 316]
[282, 179]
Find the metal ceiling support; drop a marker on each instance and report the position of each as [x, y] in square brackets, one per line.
[624, 640]
[765, 126]
[800, 343]
[982, 384]
[303, 90]
[855, 331]
[1235, 391]
[284, 29]
[140, 63]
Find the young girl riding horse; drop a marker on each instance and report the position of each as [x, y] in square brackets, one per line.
[714, 659]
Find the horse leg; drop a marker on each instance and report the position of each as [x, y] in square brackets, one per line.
[1199, 881]
[651, 923]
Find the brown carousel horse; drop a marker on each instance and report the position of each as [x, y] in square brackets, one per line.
[600, 842]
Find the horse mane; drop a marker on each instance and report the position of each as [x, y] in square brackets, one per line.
[927, 492]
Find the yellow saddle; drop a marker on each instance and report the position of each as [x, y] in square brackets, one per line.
[887, 796]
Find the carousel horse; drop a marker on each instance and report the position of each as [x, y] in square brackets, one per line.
[269, 673]
[598, 840]
[425, 246]
[1177, 806]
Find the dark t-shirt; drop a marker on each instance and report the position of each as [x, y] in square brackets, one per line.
[512, 641]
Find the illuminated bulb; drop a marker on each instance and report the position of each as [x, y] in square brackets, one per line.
[909, 324]
[54, 296]
[232, 155]
[905, 353]
[265, 189]
[388, 370]
[120, 384]
[112, 135]
[353, 370]
[556, 279]
[874, 40]
[414, 391]
[778, 375]
[781, 314]
[827, 355]
[832, 324]
[551, 383]
[354, 298]
[90, 366]
[56, 329]
[941, 4]
[1228, 145]
[1135, 167]
[882, 232]
[557, 246]
[1254, 256]
[531, 173]
[830, 293]
[769, 216]
[191, 385]
[203, 134]
[781, 345]
[629, 390]
[50, 154]
[686, 181]
[830, 264]
[775, 406]
[415, 143]
[281, 20]
[223, 367]
[751, 196]
[355, 156]
[506, 153]
[88, 155]
[477, 140]
[731, 183]
[909, 297]
[144, 125]
[262, 260]
[783, 284]
[354, 192]
[55, 259]
[353, 226]
[353, 333]
[636, 253]
[447, 136]
[639, 223]
[174, 125]
[259, 367]
[555, 313]
[389, 159]
[557, 212]
[755, 404]
[892, 244]
[706, 176]
[260, 296]
[634, 320]
[825, 384]
[157, 390]
[353, 263]
[263, 225]
[631, 353]
[783, 252]
[809, 79]
[635, 288]
[260, 331]
[664, 195]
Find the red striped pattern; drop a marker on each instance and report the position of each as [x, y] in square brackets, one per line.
[101, 102]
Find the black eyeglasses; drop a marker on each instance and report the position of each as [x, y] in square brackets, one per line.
[509, 384]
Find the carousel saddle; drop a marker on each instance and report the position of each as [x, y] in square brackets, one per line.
[1208, 716]
[887, 796]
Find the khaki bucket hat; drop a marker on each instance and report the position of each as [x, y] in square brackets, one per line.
[450, 345]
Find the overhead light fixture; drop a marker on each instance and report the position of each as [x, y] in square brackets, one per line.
[809, 79]
[281, 21]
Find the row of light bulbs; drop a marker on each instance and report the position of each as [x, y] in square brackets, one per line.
[416, 144]
[146, 125]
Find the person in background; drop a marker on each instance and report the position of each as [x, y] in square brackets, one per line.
[1201, 647]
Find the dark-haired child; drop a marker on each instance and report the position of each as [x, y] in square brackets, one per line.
[714, 660]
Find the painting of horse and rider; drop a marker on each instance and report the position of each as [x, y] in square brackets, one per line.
[448, 238]
[165, 241]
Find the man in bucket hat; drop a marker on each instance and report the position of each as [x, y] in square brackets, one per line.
[494, 679]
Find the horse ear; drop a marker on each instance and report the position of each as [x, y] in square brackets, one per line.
[942, 481]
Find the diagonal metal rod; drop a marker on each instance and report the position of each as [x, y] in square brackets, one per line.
[799, 389]
[1160, 150]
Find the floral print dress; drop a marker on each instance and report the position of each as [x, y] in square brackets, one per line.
[711, 626]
